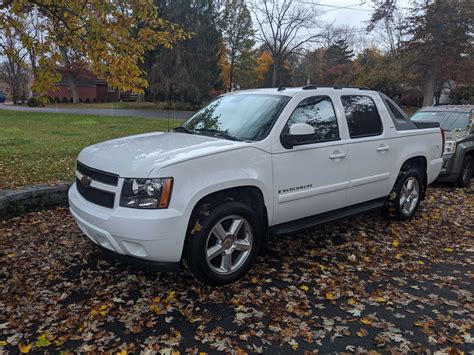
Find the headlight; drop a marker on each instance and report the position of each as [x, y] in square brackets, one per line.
[449, 147]
[146, 193]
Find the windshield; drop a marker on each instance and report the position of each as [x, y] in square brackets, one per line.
[241, 117]
[449, 121]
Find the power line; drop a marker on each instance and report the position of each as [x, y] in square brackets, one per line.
[335, 7]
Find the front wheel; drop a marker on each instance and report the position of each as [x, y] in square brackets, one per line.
[225, 243]
[465, 175]
[406, 195]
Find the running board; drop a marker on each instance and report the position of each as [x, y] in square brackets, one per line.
[312, 221]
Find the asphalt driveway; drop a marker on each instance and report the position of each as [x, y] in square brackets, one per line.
[362, 284]
[146, 113]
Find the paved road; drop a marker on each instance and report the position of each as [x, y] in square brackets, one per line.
[157, 114]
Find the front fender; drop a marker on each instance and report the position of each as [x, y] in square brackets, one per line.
[197, 178]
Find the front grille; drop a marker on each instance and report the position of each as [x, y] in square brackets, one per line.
[99, 197]
[98, 175]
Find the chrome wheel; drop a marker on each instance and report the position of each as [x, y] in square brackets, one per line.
[229, 244]
[409, 195]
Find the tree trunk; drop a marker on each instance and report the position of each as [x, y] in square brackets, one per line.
[275, 73]
[73, 87]
[429, 89]
[231, 74]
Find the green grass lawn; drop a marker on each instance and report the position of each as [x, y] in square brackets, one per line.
[42, 147]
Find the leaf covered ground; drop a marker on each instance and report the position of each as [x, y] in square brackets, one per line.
[362, 284]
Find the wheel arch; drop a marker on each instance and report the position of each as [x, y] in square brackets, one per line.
[247, 193]
[418, 162]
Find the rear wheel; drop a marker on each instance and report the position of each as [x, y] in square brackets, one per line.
[406, 195]
[465, 175]
[225, 245]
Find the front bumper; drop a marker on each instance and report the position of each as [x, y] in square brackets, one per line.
[447, 173]
[150, 235]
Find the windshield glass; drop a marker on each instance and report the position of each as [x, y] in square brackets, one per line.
[449, 121]
[242, 116]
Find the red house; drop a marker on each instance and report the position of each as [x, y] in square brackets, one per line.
[89, 89]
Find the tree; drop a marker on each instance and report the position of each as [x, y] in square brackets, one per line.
[338, 53]
[284, 27]
[190, 70]
[111, 36]
[236, 24]
[13, 70]
[438, 43]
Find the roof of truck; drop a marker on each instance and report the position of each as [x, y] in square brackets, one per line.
[296, 90]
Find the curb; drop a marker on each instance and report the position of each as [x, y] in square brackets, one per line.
[30, 198]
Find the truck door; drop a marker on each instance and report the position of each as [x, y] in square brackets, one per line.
[371, 153]
[310, 178]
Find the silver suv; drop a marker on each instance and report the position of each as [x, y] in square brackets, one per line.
[458, 157]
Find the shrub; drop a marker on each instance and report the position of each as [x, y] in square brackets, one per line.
[87, 100]
[65, 99]
[33, 102]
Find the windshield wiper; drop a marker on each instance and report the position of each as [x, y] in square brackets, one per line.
[183, 129]
[218, 133]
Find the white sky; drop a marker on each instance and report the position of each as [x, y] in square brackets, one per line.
[354, 16]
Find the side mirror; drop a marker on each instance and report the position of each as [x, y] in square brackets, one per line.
[299, 133]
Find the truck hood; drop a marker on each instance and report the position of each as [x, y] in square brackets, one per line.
[136, 156]
[455, 136]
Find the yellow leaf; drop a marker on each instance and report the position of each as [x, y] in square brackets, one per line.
[42, 341]
[395, 243]
[153, 307]
[304, 287]
[421, 262]
[25, 348]
[366, 321]
[122, 352]
[380, 299]
[362, 332]
[157, 299]
[3, 343]
[398, 256]
[330, 296]
[448, 250]
[351, 301]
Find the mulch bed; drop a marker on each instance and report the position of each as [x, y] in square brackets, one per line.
[359, 285]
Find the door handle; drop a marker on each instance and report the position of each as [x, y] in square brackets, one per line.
[337, 155]
[383, 148]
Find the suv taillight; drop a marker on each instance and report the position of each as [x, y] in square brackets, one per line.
[443, 139]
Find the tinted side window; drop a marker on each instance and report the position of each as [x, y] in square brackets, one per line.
[317, 111]
[362, 116]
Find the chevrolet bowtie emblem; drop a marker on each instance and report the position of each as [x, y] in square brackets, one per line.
[86, 181]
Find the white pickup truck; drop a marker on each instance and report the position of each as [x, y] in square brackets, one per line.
[248, 165]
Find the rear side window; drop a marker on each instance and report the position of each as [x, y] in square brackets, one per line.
[317, 111]
[362, 116]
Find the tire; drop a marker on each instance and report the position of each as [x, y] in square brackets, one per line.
[406, 194]
[464, 179]
[214, 254]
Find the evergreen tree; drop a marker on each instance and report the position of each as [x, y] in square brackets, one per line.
[189, 71]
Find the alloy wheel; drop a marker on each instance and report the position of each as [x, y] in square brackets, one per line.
[229, 244]
[409, 195]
